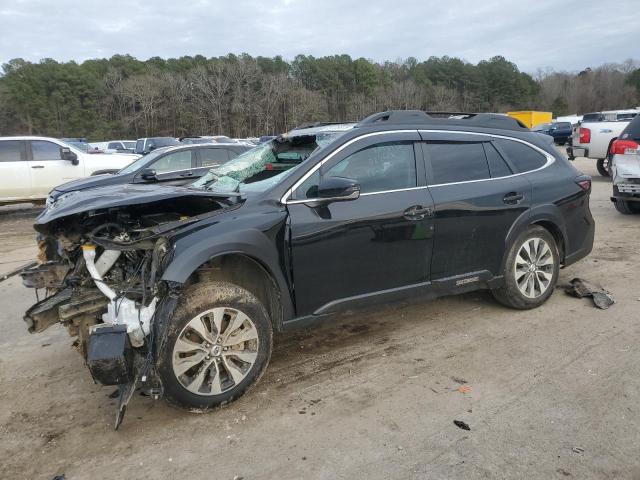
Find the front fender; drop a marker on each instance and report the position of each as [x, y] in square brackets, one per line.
[192, 251]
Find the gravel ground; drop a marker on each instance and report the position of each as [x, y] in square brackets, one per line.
[549, 393]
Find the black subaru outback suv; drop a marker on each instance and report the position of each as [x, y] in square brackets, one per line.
[178, 290]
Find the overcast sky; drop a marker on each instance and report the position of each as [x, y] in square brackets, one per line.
[564, 35]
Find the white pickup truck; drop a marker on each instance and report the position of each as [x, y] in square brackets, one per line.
[30, 167]
[593, 136]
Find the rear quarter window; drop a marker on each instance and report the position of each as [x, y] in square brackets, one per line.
[521, 156]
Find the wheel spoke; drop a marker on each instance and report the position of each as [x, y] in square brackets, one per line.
[183, 345]
[244, 336]
[520, 259]
[535, 251]
[182, 364]
[216, 385]
[244, 355]
[196, 383]
[236, 322]
[233, 370]
[530, 286]
[218, 315]
[198, 325]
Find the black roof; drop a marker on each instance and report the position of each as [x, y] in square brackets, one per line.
[419, 118]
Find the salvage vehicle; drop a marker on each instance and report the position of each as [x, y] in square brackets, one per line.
[175, 165]
[31, 166]
[595, 134]
[625, 169]
[178, 290]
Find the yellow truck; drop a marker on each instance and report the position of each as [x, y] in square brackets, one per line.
[531, 118]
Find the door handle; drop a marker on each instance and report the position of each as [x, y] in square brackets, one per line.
[417, 212]
[513, 198]
[37, 166]
[187, 174]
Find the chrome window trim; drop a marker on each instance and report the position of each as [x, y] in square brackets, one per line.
[550, 160]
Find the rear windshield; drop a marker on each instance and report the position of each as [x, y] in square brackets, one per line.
[563, 125]
[632, 131]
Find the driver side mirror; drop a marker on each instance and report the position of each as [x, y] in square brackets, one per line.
[149, 174]
[67, 154]
[338, 189]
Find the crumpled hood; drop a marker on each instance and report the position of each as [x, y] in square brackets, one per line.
[89, 182]
[79, 201]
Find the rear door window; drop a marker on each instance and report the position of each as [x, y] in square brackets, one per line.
[521, 156]
[213, 157]
[457, 162]
[10, 150]
[173, 162]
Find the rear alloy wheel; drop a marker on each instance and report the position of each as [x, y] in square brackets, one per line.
[604, 166]
[531, 270]
[534, 267]
[218, 345]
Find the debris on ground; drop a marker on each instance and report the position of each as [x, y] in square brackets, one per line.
[459, 380]
[577, 450]
[464, 389]
[581, 288]
[462, 425]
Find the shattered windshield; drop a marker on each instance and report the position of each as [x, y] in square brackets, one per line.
[264, 166]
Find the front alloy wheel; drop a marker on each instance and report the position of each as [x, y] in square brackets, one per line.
[217, 345]
[215, 351]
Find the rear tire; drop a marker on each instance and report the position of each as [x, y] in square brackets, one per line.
[604, 166]
[531, 270]
[627, 208]
[217, 346]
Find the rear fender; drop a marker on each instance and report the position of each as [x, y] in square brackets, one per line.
[546, 216]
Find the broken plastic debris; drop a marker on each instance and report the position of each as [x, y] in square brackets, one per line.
[464, 389]
[462, 425]
[580, 288]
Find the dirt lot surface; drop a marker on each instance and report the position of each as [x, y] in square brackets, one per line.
[552, 393]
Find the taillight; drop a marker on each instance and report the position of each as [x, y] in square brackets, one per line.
[620, 147]
[585, 135]
[268, 166]
[584, 181]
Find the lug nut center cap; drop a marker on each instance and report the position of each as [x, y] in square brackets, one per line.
[216, 351]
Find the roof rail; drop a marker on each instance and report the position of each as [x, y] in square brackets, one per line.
[317, 124]
[411, 117]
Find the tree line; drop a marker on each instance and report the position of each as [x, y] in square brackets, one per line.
[241, 96]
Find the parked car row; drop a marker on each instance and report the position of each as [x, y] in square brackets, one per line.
[178, 289]
[594, 135]
[31, 166]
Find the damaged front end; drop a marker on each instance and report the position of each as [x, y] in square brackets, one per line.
[100, 260]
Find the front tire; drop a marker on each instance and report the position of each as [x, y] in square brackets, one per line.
[218, 345]
[531, 270]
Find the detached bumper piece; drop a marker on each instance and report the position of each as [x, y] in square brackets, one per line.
[109, 356]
